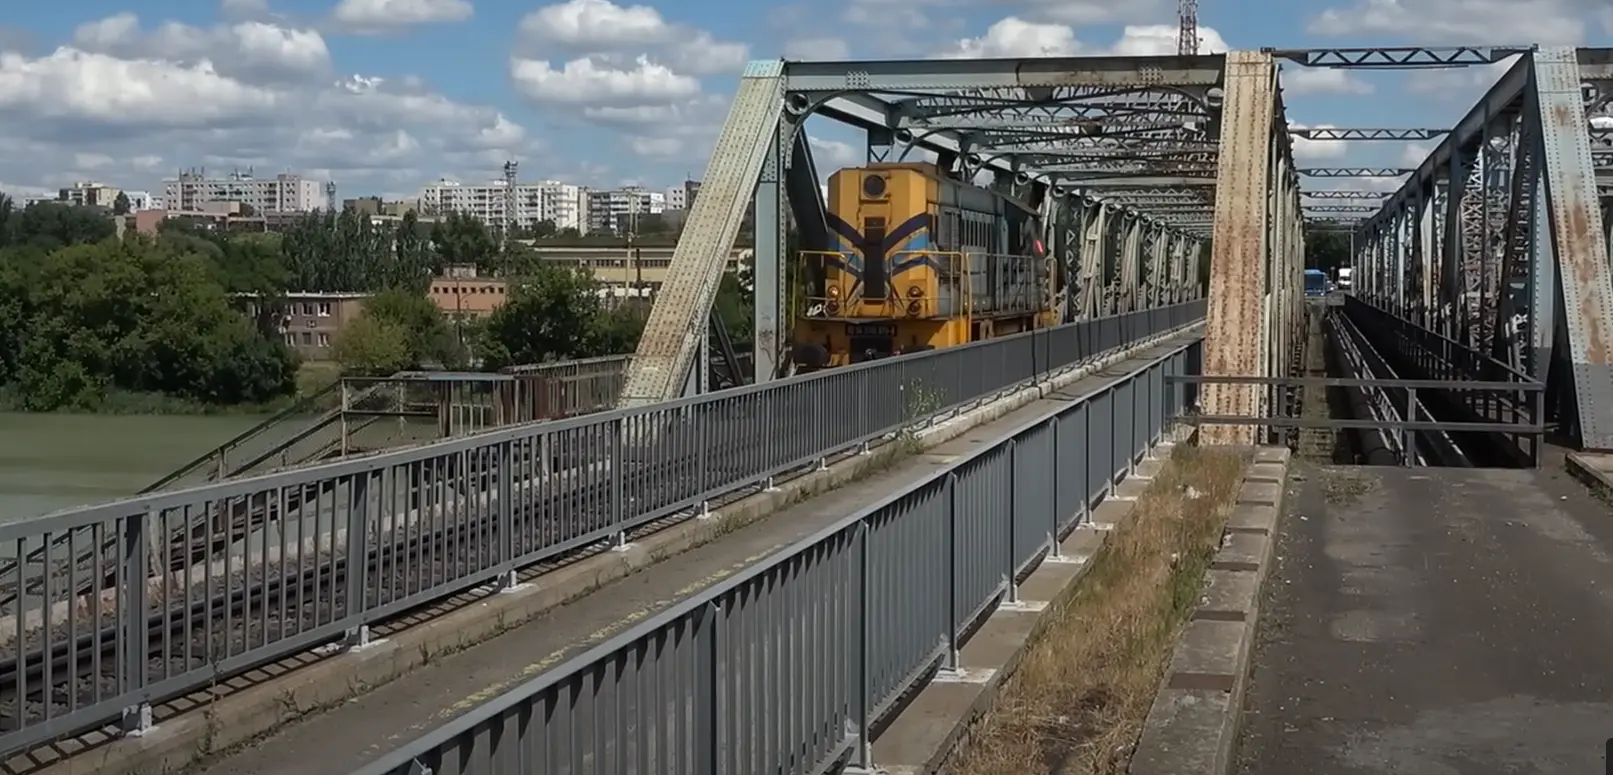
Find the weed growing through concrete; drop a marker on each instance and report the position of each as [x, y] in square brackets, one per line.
[1078, 700]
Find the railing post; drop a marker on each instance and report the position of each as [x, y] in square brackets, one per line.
[1406, 434]
[133, 635]
[1053, 548]
[1011, 590]
[618, 464]
[710, 702]
[358, 635]
[952, 572]
[864, 702]
[506, 511]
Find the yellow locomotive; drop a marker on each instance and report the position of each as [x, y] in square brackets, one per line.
[919, 261]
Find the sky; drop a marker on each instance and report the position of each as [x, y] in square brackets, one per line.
[386, 96]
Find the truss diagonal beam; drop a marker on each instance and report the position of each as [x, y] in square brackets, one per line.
[1399, 57]
[1365, 133]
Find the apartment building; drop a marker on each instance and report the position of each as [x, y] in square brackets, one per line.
[559, 203]
[89, 193]
[681, 197]
[613, 211]
[283, 193]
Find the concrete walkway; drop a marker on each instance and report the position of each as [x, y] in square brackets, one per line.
[1435, 622]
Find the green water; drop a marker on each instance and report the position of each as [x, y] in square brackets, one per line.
[57, 461]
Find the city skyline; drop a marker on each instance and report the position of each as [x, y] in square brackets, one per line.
[599, 93]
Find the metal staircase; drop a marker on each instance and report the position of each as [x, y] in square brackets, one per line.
[678, 319]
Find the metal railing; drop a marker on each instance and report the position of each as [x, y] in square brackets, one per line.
[788, 666]
[121, 609]
[1420, 352]
[1409, 420]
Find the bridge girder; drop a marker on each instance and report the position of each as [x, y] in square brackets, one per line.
[1498, 239]
[1082, 136]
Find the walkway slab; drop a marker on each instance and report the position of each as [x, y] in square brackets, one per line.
[1434, 621]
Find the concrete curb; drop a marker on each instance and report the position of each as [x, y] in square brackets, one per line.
[253, 706]
[1594, 469]
[1192, 728]
[928, 731]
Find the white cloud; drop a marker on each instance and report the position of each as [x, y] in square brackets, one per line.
[73, 85]
[604, 30]
[1300, 81]
[123, 110]
[1160, 39]
[1083, 12]
[1314, 150]
[830, 155]
[244, 9]
[1462, 85]
[1461, 22]
[253, 51]
[628, 67]
[1017, 37]
[1014, 36]
[377, 16]
[582, 81]
[1414, 154]
[817, 49]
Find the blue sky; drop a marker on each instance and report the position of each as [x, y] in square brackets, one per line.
[385, 96]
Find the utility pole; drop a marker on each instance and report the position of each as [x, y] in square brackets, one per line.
[632, 236]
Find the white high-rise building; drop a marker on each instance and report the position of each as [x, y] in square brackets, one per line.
[559, 203]
[283, 193]
[613, 211]
[680, 197]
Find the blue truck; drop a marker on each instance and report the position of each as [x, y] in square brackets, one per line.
[1316, 283]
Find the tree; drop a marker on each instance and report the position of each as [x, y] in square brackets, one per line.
[372, 346]
[427, 336]
[135, 316]
[553, 314]
[462, 240]
[348, 253]
[121, 205]
[1326, 249]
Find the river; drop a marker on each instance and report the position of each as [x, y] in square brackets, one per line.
[57, 461]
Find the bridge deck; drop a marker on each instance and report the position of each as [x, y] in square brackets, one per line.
[340, 740]
[1423, 621]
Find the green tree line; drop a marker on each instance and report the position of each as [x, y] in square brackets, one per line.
[90, 322]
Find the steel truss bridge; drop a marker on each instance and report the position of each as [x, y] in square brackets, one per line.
[1174, 209]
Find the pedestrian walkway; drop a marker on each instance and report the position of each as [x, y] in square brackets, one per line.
[1435, 622]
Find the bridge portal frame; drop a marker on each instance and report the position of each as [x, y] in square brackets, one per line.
[1498, 239]
[1118, 152]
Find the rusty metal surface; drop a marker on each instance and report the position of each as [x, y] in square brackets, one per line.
[1234, 329]
[1578, 241]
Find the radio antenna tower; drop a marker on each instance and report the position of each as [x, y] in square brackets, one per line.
[509, 203]
[1187, 30]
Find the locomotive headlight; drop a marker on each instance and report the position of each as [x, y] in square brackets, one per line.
[834, 291]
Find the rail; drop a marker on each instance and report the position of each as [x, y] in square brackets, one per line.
[343, 545]
[789, 666]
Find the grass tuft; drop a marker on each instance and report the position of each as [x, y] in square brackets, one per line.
[1078, 700]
